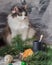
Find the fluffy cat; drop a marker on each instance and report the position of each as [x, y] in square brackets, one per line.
[18, 22]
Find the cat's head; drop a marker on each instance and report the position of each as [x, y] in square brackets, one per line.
[18, 11]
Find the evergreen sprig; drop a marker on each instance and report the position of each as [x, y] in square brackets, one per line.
[18, 45]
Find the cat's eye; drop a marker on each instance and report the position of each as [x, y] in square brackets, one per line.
[20, 14]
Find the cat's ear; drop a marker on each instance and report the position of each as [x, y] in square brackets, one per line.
[26, 6]
[15, 9]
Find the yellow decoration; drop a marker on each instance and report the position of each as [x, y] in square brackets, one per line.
[27, 53]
